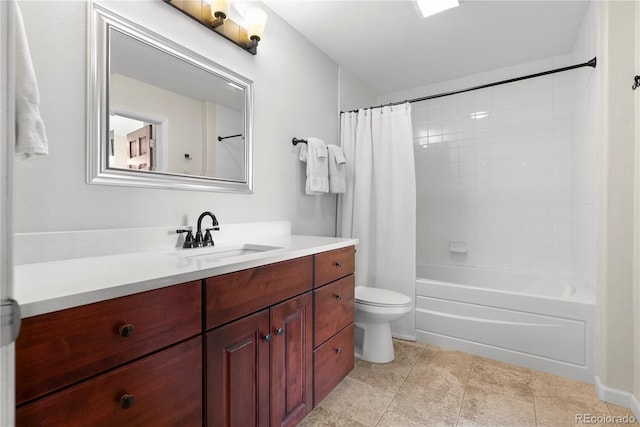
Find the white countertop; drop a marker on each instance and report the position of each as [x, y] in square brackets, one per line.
[56, 285]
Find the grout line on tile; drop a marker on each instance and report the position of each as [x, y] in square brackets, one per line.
[395, 394]
[464, 393]
[535, 409]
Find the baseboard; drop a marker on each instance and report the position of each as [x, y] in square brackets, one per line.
[617, 397]
[404, 337]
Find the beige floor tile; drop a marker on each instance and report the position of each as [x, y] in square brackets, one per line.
[559, 412]
[443, 356]
[407, 352]
[411, 343]
[426, 406]
[439, 376]
[554, 386]
[358, 401]
[502, 378]
[483, 408]
[388, 376]
[432, 386]
[626, 414]
[321, 416]
[390, 419]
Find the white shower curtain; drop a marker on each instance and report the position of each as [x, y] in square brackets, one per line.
[379, 207]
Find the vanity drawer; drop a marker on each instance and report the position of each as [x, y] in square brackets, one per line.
[334, 308]
[332, 265]
[233, 295]
[166, 389]
[332, 362]
[60, 348]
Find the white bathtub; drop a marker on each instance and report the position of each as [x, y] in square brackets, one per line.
[540, 322]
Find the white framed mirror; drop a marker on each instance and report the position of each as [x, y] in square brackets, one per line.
[161, 115]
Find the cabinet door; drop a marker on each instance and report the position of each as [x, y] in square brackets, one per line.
[291, 361]
[237, 366]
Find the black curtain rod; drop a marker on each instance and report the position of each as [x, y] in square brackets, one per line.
[220, 138]
[591, 63]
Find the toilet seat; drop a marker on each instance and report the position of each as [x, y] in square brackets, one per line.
[380, 297]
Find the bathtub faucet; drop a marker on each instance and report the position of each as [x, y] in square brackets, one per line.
[207, 240]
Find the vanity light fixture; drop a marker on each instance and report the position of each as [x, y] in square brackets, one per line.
[219, 12]
[431, 7]
[214, 14]
[256, 19]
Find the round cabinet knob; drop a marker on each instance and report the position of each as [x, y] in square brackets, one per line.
[339, 350]
[338, 264]
[127, 401]
[126, 330]
[338, 296]
[279, 331]
[267, 337]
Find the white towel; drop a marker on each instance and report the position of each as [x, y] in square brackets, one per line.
[337, 170]
[303, 152]
[317, 158]
[30, 134]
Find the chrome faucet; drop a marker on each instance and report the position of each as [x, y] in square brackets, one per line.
[207, 240]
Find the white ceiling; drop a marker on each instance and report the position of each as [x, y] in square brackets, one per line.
[389, 47]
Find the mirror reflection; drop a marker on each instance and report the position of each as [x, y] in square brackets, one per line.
[167, 115]
[162, 115]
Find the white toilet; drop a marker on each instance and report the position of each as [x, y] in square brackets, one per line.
[375, 308]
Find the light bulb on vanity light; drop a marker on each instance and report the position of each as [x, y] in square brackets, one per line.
[219, 12]
[255, 19]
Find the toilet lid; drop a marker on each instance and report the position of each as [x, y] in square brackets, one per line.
[380, 297]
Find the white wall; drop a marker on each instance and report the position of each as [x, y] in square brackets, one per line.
[636, 281]
[229, 153]
[290, 100]
[184, 117]
[354, 94]
[615, 129]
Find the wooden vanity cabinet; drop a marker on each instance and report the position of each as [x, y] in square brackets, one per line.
[257, 347]
[110, 362]
[259, 367]
[334, 315]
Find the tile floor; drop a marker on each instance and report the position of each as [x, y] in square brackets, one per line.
[432, 386]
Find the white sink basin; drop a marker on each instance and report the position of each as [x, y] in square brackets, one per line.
[217, 253]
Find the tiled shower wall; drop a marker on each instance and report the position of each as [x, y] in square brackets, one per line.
[510, 170]
[494, 171]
